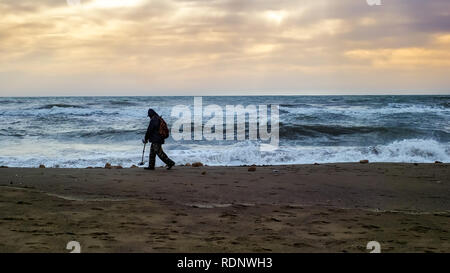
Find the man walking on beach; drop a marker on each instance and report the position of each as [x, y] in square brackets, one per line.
[153, 135]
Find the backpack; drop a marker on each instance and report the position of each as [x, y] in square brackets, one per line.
[163, 129]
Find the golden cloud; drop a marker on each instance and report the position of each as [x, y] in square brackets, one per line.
[152, 44]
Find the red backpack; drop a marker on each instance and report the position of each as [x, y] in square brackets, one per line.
[163, 129]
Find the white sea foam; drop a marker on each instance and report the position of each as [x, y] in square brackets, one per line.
[82, 132]
[391, 108]
[411, 150]
[243, 153]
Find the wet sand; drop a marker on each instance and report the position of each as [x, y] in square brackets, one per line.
[301, 208]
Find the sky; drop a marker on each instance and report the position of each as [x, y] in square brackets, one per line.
[223, 47]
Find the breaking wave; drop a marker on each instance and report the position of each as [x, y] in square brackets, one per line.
[60, 105]
[90, 131]
[244, 153]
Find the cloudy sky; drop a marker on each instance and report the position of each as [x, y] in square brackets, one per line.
[212, 47]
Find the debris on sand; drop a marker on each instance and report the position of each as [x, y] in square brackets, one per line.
[41, 166]
[188, 164]
[197, 164]
[204, 172]
[89, 168]
[252, 169]
[109, 166]
[133, 167]
[364, 161]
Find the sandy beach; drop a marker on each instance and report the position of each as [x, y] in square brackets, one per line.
[296, 208]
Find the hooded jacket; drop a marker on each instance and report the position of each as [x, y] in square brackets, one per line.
[152, 134]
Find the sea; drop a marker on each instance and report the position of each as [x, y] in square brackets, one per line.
[80, 132]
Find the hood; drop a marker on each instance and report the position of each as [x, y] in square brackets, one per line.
[151, 113]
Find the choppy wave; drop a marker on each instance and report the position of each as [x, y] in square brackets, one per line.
[411, 150]
[337, 130]
[244, 153]
[123, 103]
[390, 109]
[103, 135]
[89, 131]
[59, 105]
[363, 134]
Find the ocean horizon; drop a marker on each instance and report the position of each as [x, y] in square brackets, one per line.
[79, 132]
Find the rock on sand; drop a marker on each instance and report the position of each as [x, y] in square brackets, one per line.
[197, 164]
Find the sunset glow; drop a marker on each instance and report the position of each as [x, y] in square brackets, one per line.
[226, 47]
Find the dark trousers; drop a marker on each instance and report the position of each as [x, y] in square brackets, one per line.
[156, 149]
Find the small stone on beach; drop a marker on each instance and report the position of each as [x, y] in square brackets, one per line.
[204, 172]
[133, 167]
[365, 161]
[41, 166]
[108, 166]
[437, 162]
[252, 169]
[197, 164]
